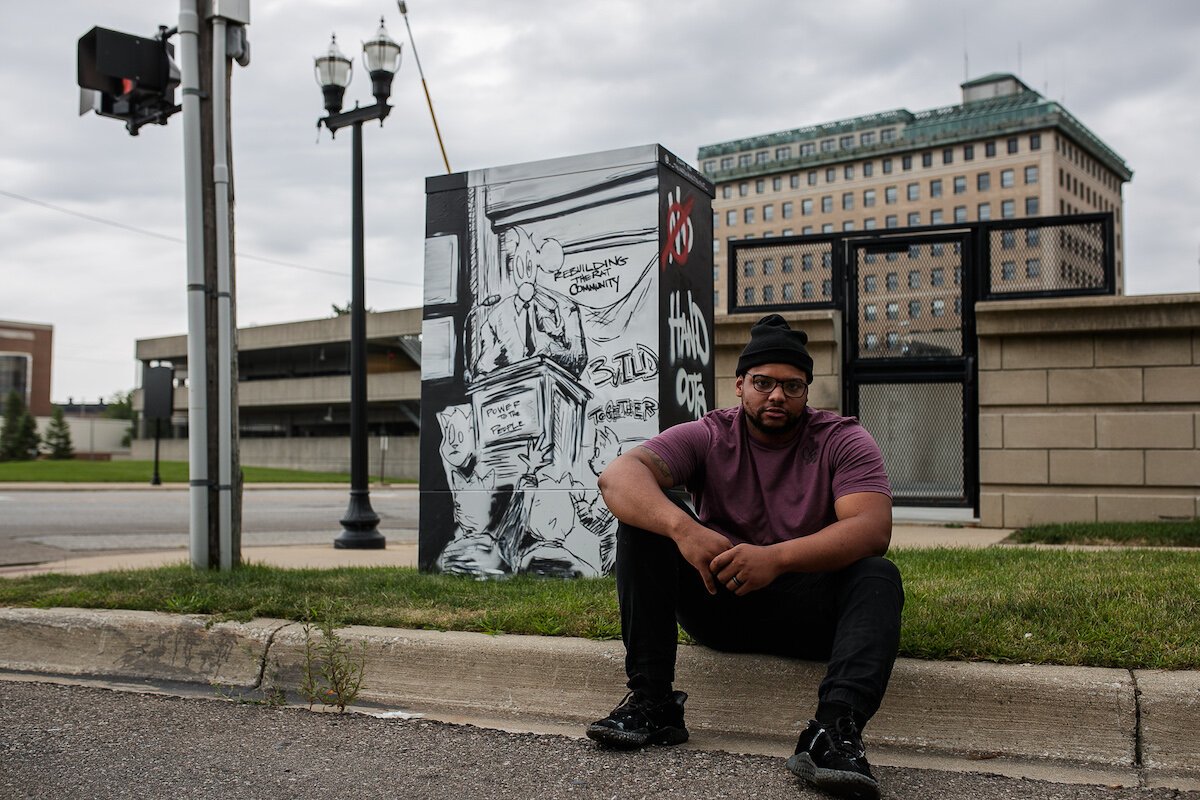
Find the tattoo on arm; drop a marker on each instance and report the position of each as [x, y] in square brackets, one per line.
[659, 465]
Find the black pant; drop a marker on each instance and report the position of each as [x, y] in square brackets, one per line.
[849, 618]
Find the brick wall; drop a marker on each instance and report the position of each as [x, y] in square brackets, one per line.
[1089, 409]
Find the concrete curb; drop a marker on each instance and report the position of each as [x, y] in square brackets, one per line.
[1102, 718]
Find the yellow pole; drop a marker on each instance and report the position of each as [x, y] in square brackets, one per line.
[421, 72]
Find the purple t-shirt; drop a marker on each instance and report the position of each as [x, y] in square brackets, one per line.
[756, 493]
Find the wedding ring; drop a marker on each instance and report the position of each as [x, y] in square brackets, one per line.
[737, 582]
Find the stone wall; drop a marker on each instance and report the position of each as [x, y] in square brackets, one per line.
[1089, 409]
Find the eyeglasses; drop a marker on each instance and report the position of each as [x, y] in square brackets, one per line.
[766, 384]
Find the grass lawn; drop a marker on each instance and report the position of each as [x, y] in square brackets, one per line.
[1184, 533]
[1122, 608]
[141, 471]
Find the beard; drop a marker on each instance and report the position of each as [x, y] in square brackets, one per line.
[774, 427]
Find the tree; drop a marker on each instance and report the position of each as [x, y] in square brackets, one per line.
[121, 407]
[58, 436]
[19, 437]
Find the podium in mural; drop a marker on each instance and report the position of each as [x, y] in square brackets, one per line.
[568, 317]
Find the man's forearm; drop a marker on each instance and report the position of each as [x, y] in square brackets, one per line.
[632, 493]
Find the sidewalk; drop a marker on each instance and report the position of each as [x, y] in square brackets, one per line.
[1089, 725]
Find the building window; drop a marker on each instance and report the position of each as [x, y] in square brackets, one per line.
[812, 177]
[1033, 268]
[892, 281]
[716, 249]
[1035, 141]
[787, 210]
[748, 269]
[938, 308]
[762, 157]
[914, 219]
[1008, 270]
[789, 264]
[727, 162]
[960, 213]
[745, 160]
[748, 294]
[1033, 237]
[913, 191]
[889, 195]
[960, 184]
[806, 262]
[768, 213]
[830, 174]
[848, 225]
[846, 142]
[1012, 145]
[985, 212]
[768, 294]
[906, 162]
[868, 198]
[827, 204]
[1008, 240]
[871, 341]
[893, 310]
[826, 287]
[891, 221]
[887, 135]
[948, 155]
[968, 152]
[710, 166]
[1031, 174]
[914, 279]
[1007, 179]
[870, 312]
[914, 251]
[808, 148]
[867, 138]
[848, 201]
[914, 309]
[789, 291]
[958, 306]
[893, 340]
[795, 180]
[935, 217]
[937, 277]
[870, 283]
[768, 266]
[937, 249]
[983, 181]
[935, 187]
[927, 159]
[957, 271]
[1008, 209]
[806, 290]
[776, 183]
[989, 149]
[1031, 206]
[887, 166]
[743, 189]
[731, 217]
[759, 186]
[783, 153]
[748, 216]
[806, 206]
[868, 169]
[848, 172]
[726, 191]
[869, 224]
[828, 146]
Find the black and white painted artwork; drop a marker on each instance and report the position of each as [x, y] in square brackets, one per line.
[550, 290]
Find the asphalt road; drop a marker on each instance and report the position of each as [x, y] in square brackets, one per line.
[45, 525]
[78, 742]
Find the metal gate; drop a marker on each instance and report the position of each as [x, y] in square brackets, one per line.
[907, 298]
[909, 364]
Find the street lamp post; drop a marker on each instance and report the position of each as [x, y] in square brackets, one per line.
[382, 58]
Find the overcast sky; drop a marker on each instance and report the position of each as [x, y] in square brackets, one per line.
[515, 81]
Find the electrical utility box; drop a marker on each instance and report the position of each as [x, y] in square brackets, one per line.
[568, 316]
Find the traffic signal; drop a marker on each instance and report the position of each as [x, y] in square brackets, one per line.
[127, 77]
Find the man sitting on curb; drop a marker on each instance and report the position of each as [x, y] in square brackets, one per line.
[785, 557]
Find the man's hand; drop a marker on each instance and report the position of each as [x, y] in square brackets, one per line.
[746, 567]
[700, 546]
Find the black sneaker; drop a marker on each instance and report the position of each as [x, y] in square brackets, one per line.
[641, 720]
[832, 758]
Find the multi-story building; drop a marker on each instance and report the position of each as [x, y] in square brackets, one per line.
[1005, 152]
[25, 362]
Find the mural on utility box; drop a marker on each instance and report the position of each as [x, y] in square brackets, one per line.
[540, 358]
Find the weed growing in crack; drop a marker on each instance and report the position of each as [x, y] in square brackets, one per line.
[333, 669]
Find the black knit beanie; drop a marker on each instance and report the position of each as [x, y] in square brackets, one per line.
[773, 342]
